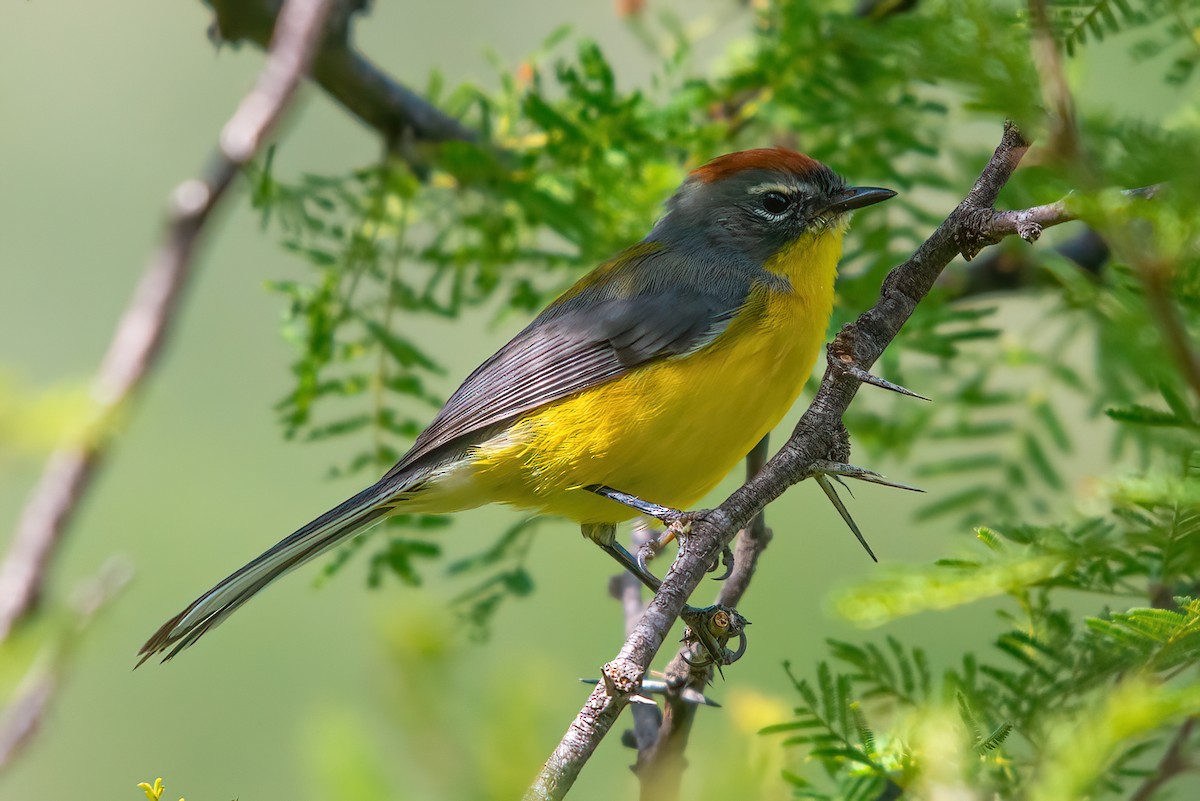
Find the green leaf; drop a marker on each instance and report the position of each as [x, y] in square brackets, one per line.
[1144, 415]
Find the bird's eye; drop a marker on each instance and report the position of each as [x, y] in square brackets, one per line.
[776, 202]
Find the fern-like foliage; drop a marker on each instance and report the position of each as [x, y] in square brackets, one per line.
[1167, 29]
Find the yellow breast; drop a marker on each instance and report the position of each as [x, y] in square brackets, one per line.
[670, 431]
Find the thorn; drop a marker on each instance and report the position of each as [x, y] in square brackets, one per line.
[844, 485]
[860, 473]
[651, 687]
[854, 371]
[831, 493]
[697, 698]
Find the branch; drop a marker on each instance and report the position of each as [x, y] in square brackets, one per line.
[350, 78]
[1011, 270]
[24, 714]
[1155, 277]
[974, 224]
[143, 327]
[627, 589]
[660, 766]
[659, 739]
[1063, 134]
[1173, 762]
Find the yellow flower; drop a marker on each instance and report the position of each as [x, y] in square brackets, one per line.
[153, 791]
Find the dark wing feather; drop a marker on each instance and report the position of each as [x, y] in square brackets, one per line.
[589, 336]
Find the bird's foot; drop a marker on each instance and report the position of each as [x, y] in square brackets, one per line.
[826, 472]
[709, 630]
[678, 529]
[726, 561]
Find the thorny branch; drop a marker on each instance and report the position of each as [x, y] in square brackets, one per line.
[627, 589]
[660, 765]
[819, 435]
[660, 737]
[147, 319]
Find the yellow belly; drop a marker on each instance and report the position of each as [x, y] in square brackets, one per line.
[668, 432]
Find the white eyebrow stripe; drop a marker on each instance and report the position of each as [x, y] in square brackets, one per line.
[784, 189]
[771, 186]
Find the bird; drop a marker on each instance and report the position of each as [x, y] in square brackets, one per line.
[642, 385]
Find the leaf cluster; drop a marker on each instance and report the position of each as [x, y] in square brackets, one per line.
[1166, 29]
[575, 169]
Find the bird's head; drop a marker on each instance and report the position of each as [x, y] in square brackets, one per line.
[756, 202]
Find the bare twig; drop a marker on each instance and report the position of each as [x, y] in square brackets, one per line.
[1008, 270]
[1173, 762]
[973, 225]
[350, 78]
[151, 311]
[21, 719]
[1155, 277]
[1063, 134]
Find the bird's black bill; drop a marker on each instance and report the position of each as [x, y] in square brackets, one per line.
[855, 197]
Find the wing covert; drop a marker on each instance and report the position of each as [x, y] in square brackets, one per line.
[593, 334]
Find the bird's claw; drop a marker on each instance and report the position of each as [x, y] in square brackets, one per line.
[726, 559]
[650, 549]
[711, 628]
[679, 525]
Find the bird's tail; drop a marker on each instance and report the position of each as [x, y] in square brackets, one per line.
[210, 609]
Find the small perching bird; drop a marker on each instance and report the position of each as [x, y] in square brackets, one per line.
[652, 376]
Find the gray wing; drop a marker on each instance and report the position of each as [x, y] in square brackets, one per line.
[589, 336]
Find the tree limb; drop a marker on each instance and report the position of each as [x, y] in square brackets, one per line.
[627, 589]
[147, 319]
[350, 78]
[1155, 275]
[1009, 270]
[974, 224]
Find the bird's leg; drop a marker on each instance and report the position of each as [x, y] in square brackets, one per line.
[679, 524]
[664, 513]
[825, 472]
[605, 535]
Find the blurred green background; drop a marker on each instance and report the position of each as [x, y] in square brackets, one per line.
[106, 107]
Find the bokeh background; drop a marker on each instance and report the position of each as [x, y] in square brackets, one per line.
[317, 693]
